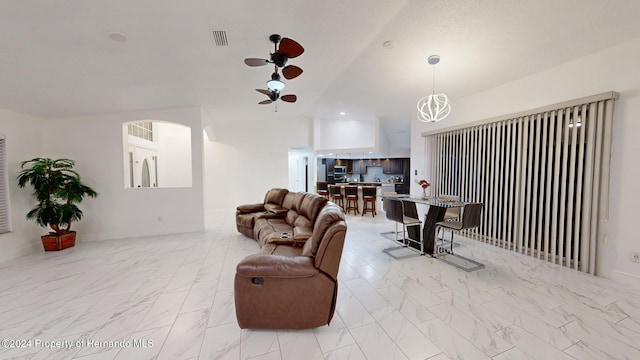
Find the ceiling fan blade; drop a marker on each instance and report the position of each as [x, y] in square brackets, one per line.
[264, 102]
[290, 48]
[289, 98]
[262, 91]
[256, 61]
[291, 72]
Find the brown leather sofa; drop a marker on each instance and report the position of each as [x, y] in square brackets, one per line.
[291, 283]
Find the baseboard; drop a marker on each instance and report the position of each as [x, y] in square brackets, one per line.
[138, 233]
[626, 278]
[28, 249]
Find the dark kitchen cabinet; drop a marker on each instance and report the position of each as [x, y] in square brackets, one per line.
[393, 166]
[331, 163]
[348, 163]
[359, 166]
[386, 166]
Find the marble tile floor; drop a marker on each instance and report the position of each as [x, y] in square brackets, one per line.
[171, 297]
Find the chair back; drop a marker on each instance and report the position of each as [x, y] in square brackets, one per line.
[471, 215]
[369, 191]
[393, 210]
[334, 190]
[321, 185]
[351, 190]
[452, 212]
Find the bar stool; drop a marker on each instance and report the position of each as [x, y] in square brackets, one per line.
[351, 193]
[321, 189]
[369, 198]
[336, 195]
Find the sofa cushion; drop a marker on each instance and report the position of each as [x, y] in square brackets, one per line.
[297, 202]
[327, 217]
[268, 228]
[311, 205]
[291, 217]
[275, 196]
[289, 199]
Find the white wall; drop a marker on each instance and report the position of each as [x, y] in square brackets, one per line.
[174, 154]
[23, 142]
[346, 135]
[617, 69]
[246, 160]
[95, 143]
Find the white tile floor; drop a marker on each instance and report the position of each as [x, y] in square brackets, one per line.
[172, 297]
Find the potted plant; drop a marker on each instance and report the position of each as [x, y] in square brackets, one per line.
[57, 188]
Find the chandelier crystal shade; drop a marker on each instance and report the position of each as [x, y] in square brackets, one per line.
[434, 107]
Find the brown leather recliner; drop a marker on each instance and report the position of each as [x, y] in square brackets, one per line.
[286, 285]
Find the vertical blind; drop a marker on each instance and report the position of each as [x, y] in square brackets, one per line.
[542, 175]
[5, 225]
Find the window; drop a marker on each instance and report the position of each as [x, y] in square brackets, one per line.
[143, 130]
[5, 224]
[542, 176]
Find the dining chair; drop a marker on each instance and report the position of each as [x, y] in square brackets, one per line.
[452, 213]
[470, 219]
[395, 212]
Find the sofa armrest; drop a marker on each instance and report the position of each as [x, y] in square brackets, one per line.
[302, 232]
[267, 265]
[250, 208]
[273, 214]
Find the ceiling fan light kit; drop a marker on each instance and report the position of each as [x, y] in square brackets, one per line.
[434, 107]
[284, 49]
[275, 84]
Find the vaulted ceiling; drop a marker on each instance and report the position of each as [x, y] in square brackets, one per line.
[56, 59]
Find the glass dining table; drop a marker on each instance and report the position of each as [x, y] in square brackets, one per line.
[435, 213]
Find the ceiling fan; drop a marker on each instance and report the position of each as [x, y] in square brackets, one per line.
[275, 95]
[284, 49]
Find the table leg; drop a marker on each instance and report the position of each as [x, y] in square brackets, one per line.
[434, 215]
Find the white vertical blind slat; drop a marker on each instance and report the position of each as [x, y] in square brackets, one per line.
[589, 127]
[563, 183]
[537, 198]
[579, 184]
[556, 185]
[529, 237]
[5, 223]
[572, 128]
[499, 181]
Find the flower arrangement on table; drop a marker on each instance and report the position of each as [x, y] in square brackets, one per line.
[424, 184]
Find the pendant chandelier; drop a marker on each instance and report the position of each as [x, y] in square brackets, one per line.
[434, 107]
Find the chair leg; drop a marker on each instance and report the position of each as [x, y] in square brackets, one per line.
[451, 251]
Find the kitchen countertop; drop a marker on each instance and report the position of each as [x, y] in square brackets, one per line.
[373, 182]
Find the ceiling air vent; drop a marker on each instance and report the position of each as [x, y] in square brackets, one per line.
[219, 37]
